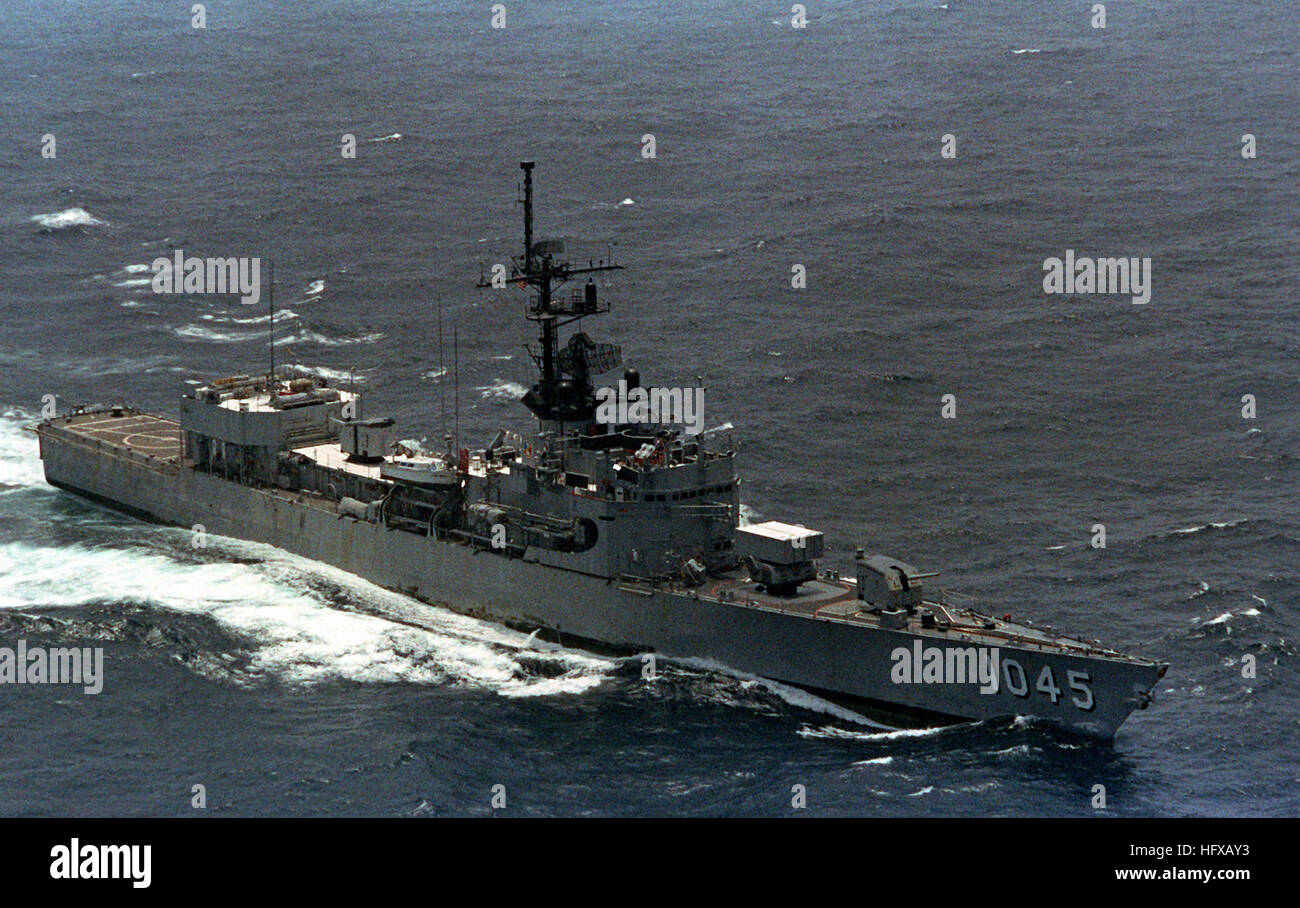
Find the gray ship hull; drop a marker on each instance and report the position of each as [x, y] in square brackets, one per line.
[839, 658]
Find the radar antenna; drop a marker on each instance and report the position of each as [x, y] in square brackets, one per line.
[555, 397]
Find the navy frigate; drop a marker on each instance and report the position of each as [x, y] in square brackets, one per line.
[622, 535]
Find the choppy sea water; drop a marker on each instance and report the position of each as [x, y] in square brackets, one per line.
[289, 688]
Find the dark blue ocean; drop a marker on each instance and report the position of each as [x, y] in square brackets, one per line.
[286, 688]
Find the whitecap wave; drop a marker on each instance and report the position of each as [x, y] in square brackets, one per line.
[67, 219]
[1226, 618]
[199, 332]
[1200, 528]
[340, 375]
[281, 315]
[503, 390]
[307, 336]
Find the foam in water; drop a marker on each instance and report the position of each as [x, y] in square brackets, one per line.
[280, 315]
[876, 761]
[1221, 525]
[20, 463]
[199, 332]
[68, 218]
[831, 732]
[333, 374]
[305, 336]
[503, 390]
[296, 636]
